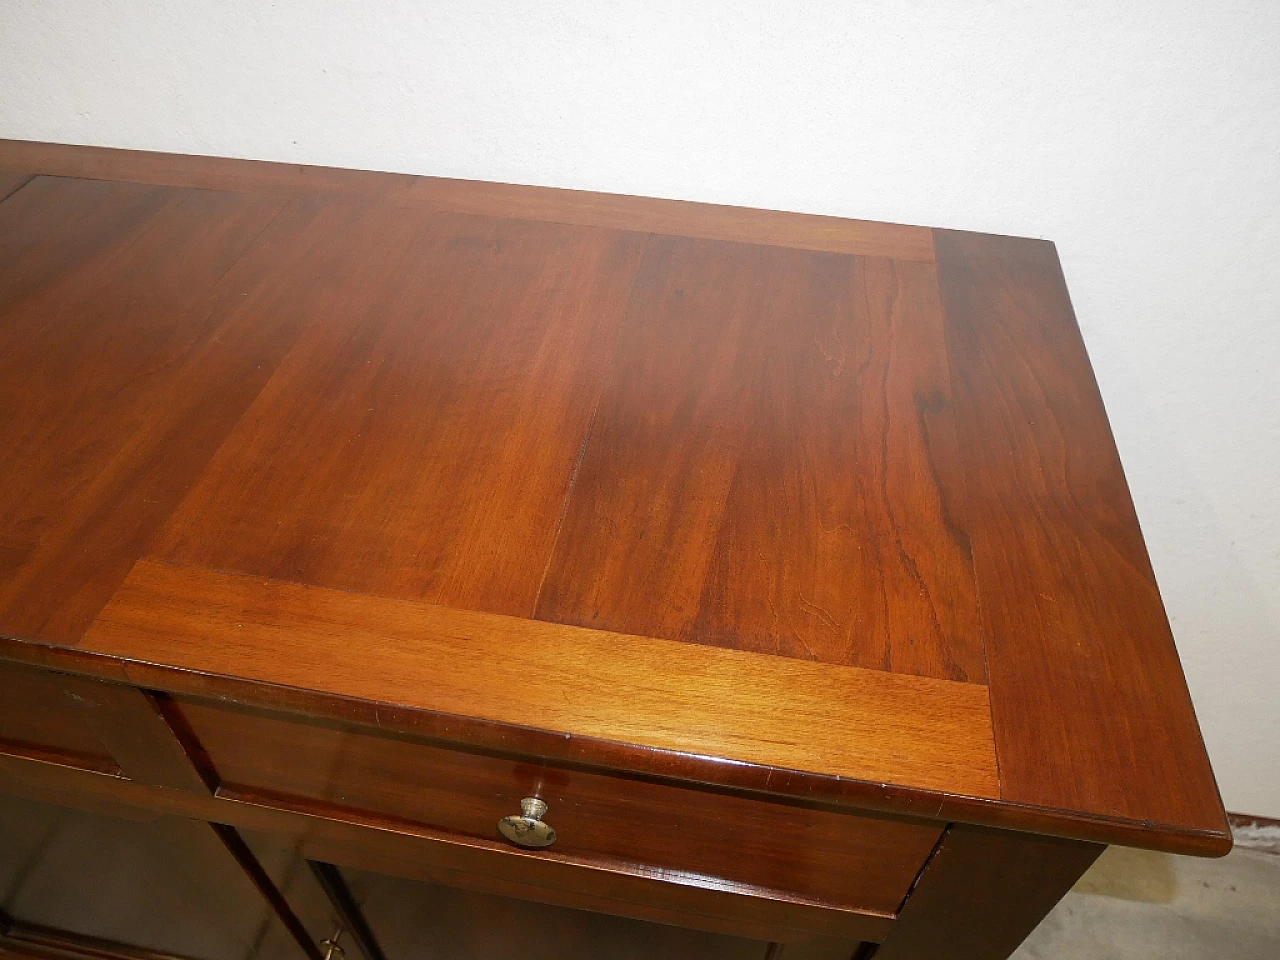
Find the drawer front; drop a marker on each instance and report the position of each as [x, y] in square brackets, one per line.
[38, 719]
[856, 862]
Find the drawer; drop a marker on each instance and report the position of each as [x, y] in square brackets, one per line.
[38, 719]
[856, 862]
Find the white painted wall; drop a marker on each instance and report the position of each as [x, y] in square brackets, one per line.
[1144, 137]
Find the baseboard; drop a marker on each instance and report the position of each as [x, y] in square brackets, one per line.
[1255, 833]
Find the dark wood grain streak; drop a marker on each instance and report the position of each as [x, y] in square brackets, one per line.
[772, 467]
[982, 893]
[1091, 709]
[843, 536]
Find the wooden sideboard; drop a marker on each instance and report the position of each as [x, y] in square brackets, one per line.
[787, 560]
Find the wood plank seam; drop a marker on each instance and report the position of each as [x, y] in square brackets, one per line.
[577, 467]
[12, 183]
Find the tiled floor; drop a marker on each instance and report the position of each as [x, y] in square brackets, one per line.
[1134, 905]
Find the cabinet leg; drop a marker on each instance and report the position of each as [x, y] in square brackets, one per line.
[983, 892]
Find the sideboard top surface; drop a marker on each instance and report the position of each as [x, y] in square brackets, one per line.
[810, 505]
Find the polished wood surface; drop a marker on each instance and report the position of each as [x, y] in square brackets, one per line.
[608, 425]
[461, 361]
[851, 722]
[767, 470]
[35, 718]
[123, 362]
[510, 201]
[1085, 680]
[132, 725]
[398, 848]
[836, 857]
[983, 892]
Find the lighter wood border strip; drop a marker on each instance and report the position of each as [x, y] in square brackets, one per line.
[723, 704]
[615, 211]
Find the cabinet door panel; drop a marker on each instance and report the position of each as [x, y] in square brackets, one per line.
[167, 885]
[413, 920]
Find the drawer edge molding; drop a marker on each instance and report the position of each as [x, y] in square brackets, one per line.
[619, 759]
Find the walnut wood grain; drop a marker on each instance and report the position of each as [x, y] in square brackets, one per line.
[587, 753]
[845, 721]
[420, 443]
[120, 378]
[526, 402]
[845, 519]
[771, 467]
[512, 201]
[1090, 706]
[56, 236]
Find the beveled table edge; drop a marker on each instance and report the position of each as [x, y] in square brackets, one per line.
[483, 198]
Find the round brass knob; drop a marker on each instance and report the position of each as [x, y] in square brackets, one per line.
[528, 830]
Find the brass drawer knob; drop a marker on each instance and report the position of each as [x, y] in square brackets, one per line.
[527, 829]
